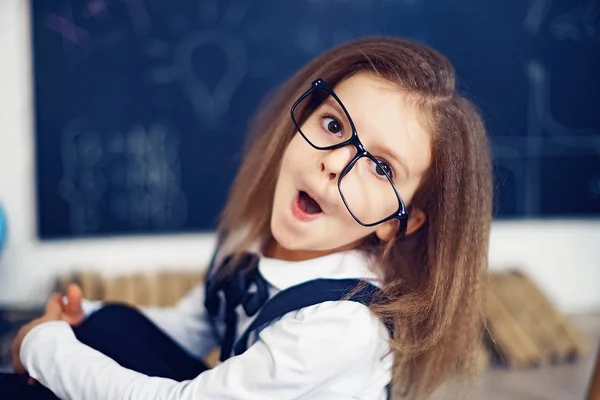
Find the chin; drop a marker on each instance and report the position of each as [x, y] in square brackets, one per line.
[284, 237]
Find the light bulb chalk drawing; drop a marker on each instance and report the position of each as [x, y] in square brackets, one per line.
[210, 100]
[212, 104]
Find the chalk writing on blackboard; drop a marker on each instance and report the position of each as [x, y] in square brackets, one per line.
[72, 35]
[540, 96]
[100, 11]
[83, 184]
[139, 16]
[542, 130]
[579, 23]
[91, 27]
[536, 14]
[134, 176]
[110, 73]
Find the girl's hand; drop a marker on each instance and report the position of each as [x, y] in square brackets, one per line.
[53, 313]
[72, 312]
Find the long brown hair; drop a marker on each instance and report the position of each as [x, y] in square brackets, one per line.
[433, 278]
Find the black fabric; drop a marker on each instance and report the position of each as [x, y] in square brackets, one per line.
[245, 287]
[15, 387]
[124, 334]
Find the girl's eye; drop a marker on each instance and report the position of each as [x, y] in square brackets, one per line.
[381, 169]
[332, 125]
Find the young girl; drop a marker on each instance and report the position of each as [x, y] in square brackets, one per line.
[354, 240]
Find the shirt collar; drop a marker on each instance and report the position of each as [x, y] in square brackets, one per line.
[343, 265]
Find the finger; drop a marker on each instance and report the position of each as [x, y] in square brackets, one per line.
[31, 381]
[74, 297]
[54, 306]
[16, 356]
[18, 367]
[16, 360]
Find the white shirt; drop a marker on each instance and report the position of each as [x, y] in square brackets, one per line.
[332, 350]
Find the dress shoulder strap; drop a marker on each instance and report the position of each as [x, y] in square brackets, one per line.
[307, 294]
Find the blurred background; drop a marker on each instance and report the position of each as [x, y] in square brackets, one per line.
[123, 120]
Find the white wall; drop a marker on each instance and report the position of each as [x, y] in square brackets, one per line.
[561, 256]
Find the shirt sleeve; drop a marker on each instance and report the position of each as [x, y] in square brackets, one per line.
[187, 322]
[294, 357]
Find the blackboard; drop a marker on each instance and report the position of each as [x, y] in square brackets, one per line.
[141, 106]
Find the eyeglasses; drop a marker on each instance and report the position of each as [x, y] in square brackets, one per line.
[366, 183]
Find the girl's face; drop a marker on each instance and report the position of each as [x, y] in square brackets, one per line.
[309, 217]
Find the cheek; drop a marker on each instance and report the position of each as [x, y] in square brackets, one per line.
[288, 160]
[344, 233]
[288, 168]
[408, 189]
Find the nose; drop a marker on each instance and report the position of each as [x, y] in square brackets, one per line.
[334, 162]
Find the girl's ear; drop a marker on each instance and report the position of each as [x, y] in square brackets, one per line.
[387, 230]
[416, 219]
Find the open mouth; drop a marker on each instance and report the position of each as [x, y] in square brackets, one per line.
[305, 208]
[308, 204]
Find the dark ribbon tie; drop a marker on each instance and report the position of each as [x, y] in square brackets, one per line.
[235, 289]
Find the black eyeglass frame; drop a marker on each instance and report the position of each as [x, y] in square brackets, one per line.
[401, 214]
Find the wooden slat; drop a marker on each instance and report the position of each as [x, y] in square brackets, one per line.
[521, 302]
[576, 340]
[526, 327]
[545, 319]
[514, 343]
